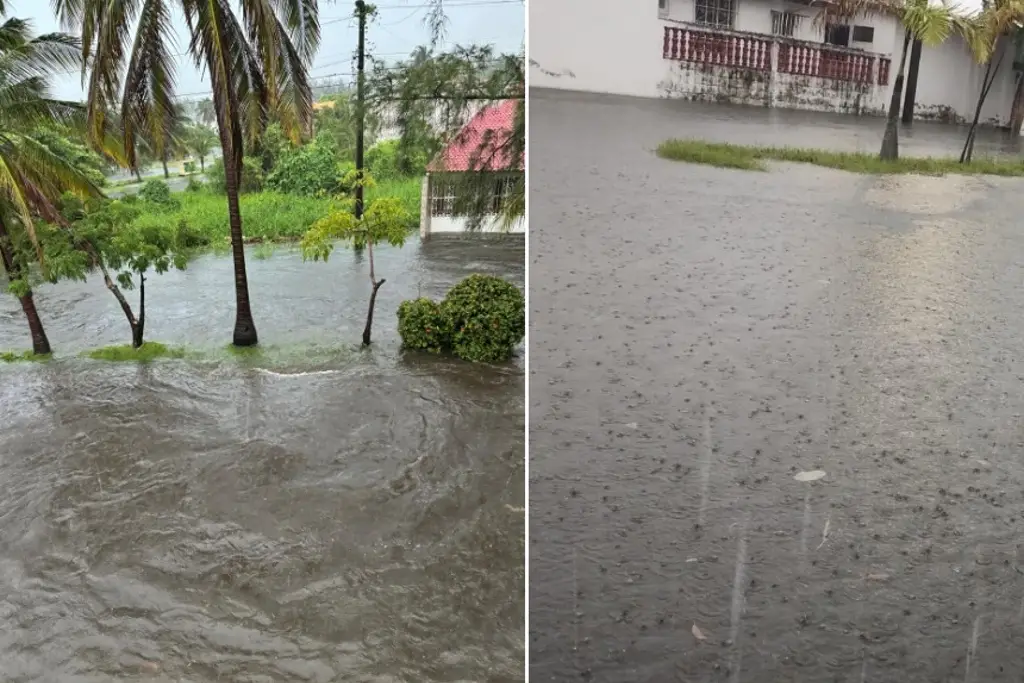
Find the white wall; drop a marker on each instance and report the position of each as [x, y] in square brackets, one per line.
[450, 224]
[616, 47]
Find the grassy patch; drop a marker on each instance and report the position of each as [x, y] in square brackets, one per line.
[147, 352]
[268, 216]
[19, 356]
[752, 158]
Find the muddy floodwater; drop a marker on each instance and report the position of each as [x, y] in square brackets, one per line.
[699, 338]
[311, 513]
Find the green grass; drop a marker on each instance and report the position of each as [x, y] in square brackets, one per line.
[726, 155]
[147, 352]
[270, 216]
[20, 356]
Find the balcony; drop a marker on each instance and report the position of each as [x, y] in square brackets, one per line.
[774, 54]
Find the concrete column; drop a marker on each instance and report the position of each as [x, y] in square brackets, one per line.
[425, 207]
[773, 73]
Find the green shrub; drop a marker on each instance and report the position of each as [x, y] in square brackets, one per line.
[252, 175]
[382, 160]
[157, 192]
[487, 316]
[423, 326]
[194, 185]
[190, 167]
[310, 171]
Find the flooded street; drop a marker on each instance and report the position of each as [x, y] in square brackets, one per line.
[309, 513]
[700, 339]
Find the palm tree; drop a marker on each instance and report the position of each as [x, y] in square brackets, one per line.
[997, 19]
[32, 174]
[199, 140]
[256, 58]
[921, 20]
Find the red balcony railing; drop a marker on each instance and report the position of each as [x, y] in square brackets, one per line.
[754, 51]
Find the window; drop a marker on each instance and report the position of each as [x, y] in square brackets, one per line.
[837, 34]
[442, 198]
[716, 13]
[863, 34]
[662, 9]
[785, 23]
[502, 190]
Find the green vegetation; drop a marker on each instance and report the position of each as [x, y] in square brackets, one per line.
[22, 356]
[726, 155]
[482, 319]
[149, 351]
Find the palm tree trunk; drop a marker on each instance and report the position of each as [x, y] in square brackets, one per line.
[202, 164]
[139, 329]
[245, 327]
[986, 85]
[167, 174]
[373, 296]
[891, 140]
[40, 343]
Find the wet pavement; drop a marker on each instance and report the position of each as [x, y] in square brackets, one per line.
[700, 337]
[310, 513]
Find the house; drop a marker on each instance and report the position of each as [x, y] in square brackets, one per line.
[768, 53]
[479, 147]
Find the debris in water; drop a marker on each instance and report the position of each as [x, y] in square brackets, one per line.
[692, 559]
[824, 533]
[514, 508]
[877, 577]
[632, 425]
[698, 634]
[813, 475]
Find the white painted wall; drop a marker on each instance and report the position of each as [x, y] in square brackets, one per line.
[450, 224]
[616, 47]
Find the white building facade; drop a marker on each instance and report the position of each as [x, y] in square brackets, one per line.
[757, 52]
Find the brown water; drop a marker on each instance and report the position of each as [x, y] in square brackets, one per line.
[698, 337]
[313, 513]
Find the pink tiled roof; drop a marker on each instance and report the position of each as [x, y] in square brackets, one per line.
[467, 151]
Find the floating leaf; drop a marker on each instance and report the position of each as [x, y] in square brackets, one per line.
[697, 633]
[813, 475]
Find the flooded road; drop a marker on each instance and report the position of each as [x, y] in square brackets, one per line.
[699, 338]
[311, 513]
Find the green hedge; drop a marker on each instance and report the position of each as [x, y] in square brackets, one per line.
[481, 319]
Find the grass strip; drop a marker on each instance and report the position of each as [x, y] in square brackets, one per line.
[752, 158]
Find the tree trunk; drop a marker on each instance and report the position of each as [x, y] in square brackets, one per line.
[202, 164]
[40, 343]
[245, 327]
[138, 174]
[986, 85]
[891, 140]
[1017, 110]
[126, 307]
[167, 174]
[139, 328]
[373, 296]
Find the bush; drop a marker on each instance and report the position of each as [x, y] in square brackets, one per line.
[157, 192]
[252, 175]
[487, 316]
[309, 171]
[423, 326]
[190, 167]
[194, 185]
[382, 160]
[482, 319]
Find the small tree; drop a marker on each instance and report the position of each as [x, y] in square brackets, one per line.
[132, 251]
[921, 20]
[384, 221]
[200, 140]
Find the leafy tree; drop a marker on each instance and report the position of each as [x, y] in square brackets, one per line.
[310, 170]
[132, 251]
[252, 177]
[200, 140]
[336, 117]
[273, 145]
[256, 57]
[439, 93]
[921, 20]
[32, 173]
[206, 112]
[384, 221]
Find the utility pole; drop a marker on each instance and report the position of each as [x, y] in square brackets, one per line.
[360, 105]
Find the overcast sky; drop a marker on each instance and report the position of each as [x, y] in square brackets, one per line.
[397, 30]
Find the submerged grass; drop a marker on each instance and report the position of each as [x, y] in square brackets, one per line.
[126, 353]
[751, 158]
[21, 356]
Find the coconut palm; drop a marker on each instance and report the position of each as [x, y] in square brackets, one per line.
[256, 58]
[921, 20]
[33, 175]
[199, 140]
[998, 19]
